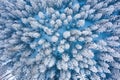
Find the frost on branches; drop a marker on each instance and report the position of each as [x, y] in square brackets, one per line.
[59, 40]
